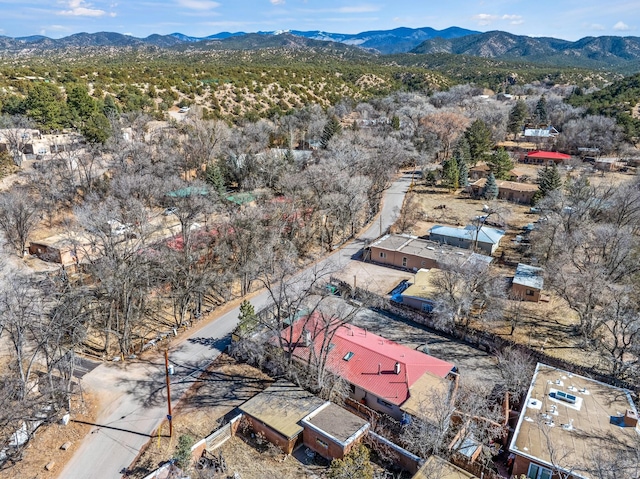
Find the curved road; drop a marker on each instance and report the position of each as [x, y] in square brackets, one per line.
[135, 392]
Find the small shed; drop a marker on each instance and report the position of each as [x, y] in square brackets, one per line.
[332, 431]
[528, 282]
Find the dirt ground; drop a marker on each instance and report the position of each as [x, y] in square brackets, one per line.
[225, 385]
[379, 279]
[49, 439]
[251, 464]
[460, 209]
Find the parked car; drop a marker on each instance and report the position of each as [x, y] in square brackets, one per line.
[184, 109]
[172, 210]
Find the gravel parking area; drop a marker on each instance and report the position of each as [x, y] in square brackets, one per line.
[473, 364]
[377, 279]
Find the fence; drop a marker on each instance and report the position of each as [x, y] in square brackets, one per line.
[480, 339]
[223, 434]
[393, 453]
[475, 468]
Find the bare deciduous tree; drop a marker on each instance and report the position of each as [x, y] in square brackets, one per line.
[19, 215]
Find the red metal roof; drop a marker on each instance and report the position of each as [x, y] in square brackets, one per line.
[550, 155]
[371, 366]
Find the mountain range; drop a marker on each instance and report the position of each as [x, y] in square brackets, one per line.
[620, 54]
[399, 40]
[588, 52]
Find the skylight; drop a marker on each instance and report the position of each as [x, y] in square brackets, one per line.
[348, 356]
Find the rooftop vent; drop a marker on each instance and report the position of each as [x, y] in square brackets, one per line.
[563, 396]
[631, 418]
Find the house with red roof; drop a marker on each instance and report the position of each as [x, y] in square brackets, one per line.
[381, 374]
[539, 157]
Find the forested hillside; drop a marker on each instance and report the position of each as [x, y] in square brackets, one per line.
[234, 84]
[619, 100]
[602, 53]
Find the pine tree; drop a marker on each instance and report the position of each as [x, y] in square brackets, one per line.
[395, 122]
[450, 174]
[332, 128]
[541, 111]
[500, 164]
[110, 107]
[96, 129]
[247, 318]
[491, 190]
[478, 135]
[517, 117]
[462, 152]
[289, 159]
[463, 174]
[430, 178]
[548, 180]
[215, 177]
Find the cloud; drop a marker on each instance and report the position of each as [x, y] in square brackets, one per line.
[360, 9]
[79, 8]
[487, 19]
[355, 9]
[595, 26]
[484, 18]
[621, 27]
[198, 4]
[278, 2]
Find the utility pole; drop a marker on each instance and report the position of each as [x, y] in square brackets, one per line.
[169, 415]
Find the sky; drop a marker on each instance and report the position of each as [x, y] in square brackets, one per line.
[566, 19]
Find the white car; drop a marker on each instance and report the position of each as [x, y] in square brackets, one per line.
[184, 109]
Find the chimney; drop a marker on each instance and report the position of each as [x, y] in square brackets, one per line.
[306, 335]
[630, 418]
[379, 368]
[396, 368]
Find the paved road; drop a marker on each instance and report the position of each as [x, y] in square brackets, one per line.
[136, 394]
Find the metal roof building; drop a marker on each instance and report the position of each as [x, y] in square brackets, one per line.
[488, 239]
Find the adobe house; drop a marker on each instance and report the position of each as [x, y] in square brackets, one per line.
[64, 249]
[277, 412]
[380, 373]
[411, 252]
[482, 171]
[527, 283]
[487, 239]
[332, 431]
[288, 416]
[567, 418]
[515, 192]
